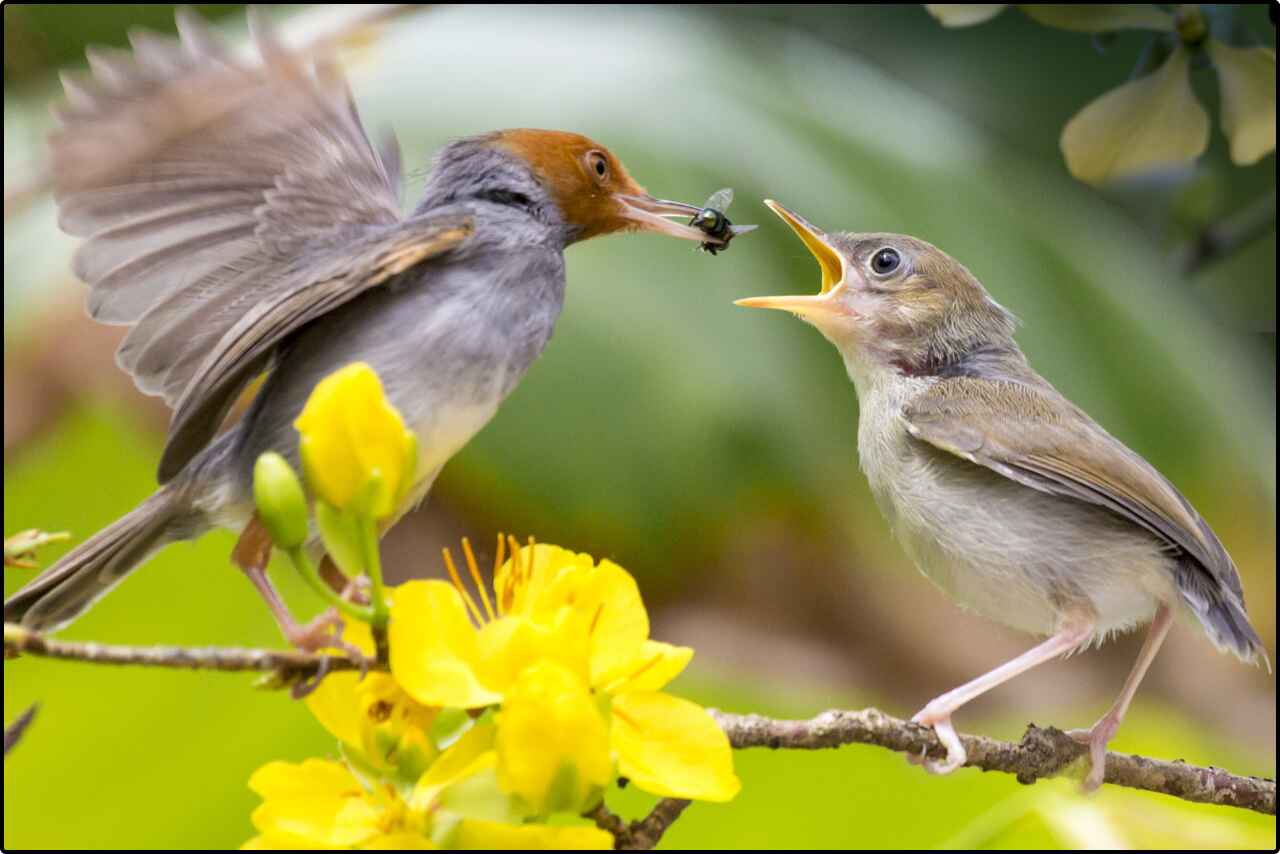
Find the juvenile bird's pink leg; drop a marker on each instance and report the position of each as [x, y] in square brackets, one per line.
[1105, 729]
[937, 713]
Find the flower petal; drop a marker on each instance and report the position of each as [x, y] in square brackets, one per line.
[619, 623]
[302, 804]
[656, 665]
[401, 841]
[433, 647]
[471, 753]
[1247, 79]
[348, 432]
[510, 644]
[1145, 124]
[335, 704]
[314, 778]
[553, 744]
[964, 14]
[1100, 17]
[672, 747]
[529, 837]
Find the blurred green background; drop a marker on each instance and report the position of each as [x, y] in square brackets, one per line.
[708, 449]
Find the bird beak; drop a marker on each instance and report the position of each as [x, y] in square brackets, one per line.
[648, 212]
[829, 259]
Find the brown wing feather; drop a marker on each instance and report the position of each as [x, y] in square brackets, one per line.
[1034, 436]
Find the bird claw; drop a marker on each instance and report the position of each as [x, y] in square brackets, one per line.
[1096, 739]
[946, 733]
[325, 633]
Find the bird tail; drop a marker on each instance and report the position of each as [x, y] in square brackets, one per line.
[86, 573]
[1221, 612]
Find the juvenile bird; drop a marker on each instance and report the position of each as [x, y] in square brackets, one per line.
[236, 216]
[1003, 492]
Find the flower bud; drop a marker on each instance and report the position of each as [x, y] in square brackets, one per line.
[282, 506]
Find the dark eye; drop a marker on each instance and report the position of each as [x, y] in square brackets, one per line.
[885, 261]
[598, 163]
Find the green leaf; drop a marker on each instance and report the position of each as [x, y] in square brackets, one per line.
[964, 14]
[1100, 17]
[1247, 80]
[1146, 124]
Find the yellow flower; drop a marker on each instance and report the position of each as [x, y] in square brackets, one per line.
[456, 803]
[562, 633]
[551, 708]
[321, 804]
[355, 447]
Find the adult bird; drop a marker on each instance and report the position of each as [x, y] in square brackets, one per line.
[1003, 492]
[236, 216]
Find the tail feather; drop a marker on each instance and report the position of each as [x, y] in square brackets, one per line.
[1222, 614]
[86, 573]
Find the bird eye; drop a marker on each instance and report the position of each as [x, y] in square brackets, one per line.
[885, 261]
[598, 164]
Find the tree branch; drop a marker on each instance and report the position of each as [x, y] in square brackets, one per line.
[284, 668]
[1042, 752]
[641, 835]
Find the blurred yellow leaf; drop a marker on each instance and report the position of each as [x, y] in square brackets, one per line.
[1247, 79]
[964, 14]
[1100, 17]
[1145, 124]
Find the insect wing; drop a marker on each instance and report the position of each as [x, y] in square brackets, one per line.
[720, 200]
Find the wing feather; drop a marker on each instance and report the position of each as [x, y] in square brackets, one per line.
[1032, 435]
[224, 204]
[198, 181]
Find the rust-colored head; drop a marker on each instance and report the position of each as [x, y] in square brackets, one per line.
[591, 187]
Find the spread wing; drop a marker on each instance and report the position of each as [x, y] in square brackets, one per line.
[246, 349]
[207, 187]
[1032, 435]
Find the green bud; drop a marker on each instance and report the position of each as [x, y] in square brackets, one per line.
[282, 506]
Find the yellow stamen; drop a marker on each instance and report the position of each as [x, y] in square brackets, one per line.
[457, 582]
[500, 595]
[475, 576]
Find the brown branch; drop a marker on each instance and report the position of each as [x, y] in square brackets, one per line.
[284, 668]
[1042, 752]
[641, 835]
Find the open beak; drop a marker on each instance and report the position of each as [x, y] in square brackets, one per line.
[648, 213]
[829, 260]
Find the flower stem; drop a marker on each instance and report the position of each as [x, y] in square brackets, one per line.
[308, 571]
[377, 595]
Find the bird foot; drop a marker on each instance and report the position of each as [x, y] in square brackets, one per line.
[324, 633]
[941, 722]
[1096, 738]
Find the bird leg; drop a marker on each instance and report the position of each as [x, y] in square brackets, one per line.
[252, 553]
[1105, 729]
[937, 713]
